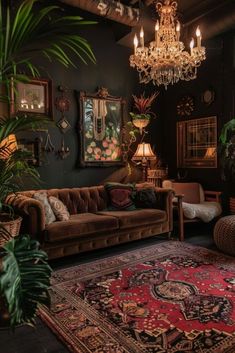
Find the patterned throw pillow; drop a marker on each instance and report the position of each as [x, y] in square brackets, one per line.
[120, 196]
[49, 214]
[60, 210]
[145, 198]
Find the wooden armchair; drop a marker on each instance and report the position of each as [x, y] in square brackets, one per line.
[193, 204]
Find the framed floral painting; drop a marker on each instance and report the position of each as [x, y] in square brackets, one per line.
[100, 129]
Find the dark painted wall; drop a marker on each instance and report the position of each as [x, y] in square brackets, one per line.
[217, 72]
[111, 71]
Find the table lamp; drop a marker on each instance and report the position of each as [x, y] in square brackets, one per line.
[144, 154]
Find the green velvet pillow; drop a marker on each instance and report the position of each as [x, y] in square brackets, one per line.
[120, 196]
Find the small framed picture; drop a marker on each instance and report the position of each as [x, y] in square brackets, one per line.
[33, 97]
[33, 150]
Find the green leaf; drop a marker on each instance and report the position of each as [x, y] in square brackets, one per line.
[25, 279]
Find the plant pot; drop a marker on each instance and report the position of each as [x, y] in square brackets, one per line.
[140, 123]
[12, 226]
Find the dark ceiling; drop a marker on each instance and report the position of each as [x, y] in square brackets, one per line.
[213, 16]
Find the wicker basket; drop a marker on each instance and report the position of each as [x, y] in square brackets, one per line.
[12, 226]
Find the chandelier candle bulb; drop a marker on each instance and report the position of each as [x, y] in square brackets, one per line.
[142, 37]
[135, 43]
[199, 37]
[178, 31]
[156, 33]
[191, 46]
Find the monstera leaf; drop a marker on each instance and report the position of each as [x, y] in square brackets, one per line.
[24, 279]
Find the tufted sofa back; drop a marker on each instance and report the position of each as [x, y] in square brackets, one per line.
[78, 200]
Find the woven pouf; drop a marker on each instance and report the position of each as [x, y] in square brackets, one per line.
[224, 234]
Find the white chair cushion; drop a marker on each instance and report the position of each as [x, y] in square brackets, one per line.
[205, 211]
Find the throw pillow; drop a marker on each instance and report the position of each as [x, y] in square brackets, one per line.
[146, 198]
[60, 210]
[120, 196]
[49, 214]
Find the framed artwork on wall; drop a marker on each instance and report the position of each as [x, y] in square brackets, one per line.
[32, 97]
[100, 129]
[32, 149]
[197, 143]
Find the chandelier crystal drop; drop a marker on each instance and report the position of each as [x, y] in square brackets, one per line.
[165, 61]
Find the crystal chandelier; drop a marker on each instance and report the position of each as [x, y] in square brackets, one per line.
[165, 61]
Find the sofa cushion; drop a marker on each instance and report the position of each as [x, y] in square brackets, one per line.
[81, 224]
[120, 196]
[60, 210]
[145, 198]
[136, 218]
[49, 214]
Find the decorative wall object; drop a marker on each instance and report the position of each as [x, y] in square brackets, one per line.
[33, 97]
[48, 145]
[62, 103]
[100, 129]
[185, 106]
[197, 143]
[208, 96]
[63, 152]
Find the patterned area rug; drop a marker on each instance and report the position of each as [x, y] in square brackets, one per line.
[167, 298]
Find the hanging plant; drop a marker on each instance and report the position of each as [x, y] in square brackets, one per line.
[142, 106]
[226, 150]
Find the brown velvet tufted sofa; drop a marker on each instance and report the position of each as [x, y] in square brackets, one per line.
[90, 225]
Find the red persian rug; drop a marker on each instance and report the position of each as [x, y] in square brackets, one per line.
[168, 298]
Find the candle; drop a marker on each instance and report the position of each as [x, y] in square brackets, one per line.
[156, 33]
[199, 37]
[135, 43]
[191, 46]
[178, 31]
[142, 37]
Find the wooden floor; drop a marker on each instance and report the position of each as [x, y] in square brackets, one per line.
[40, 339]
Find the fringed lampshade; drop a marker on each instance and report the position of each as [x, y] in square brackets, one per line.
[144, 153]
[8, 146]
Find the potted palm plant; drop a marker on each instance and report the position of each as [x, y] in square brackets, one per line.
[27, 33]
[142, 106]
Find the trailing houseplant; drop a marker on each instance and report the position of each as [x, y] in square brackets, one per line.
[24, 281]
[142, 110]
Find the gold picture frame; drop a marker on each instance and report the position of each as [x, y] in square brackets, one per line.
[197, 143]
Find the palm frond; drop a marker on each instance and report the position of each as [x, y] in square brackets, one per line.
[31, 32]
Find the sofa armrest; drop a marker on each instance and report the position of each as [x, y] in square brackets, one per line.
[32, 210]
[165, 202]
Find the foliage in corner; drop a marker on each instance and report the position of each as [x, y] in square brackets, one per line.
[29, 32]
[25, 279]
[227, 150]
